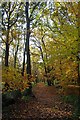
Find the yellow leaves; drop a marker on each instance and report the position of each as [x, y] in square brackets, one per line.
[54, 15]
[73, 8]
[57, 4]
[14, 79]
[46, 12]
[15, 34]
[65, 71]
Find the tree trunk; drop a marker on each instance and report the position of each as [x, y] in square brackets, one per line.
[7, 49]
[27, 39]
[7, 55]
[23, 64]
[45, 68]
[15, 57]
[23, 69]
[43, 60]
[28, 69]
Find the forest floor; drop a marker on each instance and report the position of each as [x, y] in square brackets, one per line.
[47, 104]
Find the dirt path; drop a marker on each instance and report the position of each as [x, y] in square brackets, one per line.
[46, 104]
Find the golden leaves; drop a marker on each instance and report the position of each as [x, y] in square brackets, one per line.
[14, 79]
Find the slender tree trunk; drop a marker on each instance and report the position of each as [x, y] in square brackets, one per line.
[7, 55]
[43, 59]
[15, 57]
[7, 49]
[28, 49]
[7, 22]
[28, 69]
[45, 68]
[27, 39]
[23, 69]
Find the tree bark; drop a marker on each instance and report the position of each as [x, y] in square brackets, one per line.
[23, 69]
[7, 49]
[7, 55]
[15, 57]
[28, 49]
[27, 39]
[43, 60]
[28, 69]
[8, 10]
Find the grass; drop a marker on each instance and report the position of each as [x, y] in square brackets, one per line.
[72, 99]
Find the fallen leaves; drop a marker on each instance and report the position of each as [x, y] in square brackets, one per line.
[46, 105]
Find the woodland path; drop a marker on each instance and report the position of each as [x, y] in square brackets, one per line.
[45, 105]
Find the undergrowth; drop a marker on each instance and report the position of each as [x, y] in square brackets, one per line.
[75, 101]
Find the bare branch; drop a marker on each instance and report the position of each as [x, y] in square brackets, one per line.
[3, 40]
[2, 18]
[34, 9]
[14, 6]
[16, 16]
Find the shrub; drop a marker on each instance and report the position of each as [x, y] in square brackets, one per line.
[13, 80]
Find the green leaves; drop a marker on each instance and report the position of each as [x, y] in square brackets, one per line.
[61, 34]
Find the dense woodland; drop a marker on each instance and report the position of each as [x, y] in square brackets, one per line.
[40, 42]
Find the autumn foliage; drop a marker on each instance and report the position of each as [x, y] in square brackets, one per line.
[13, 80]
